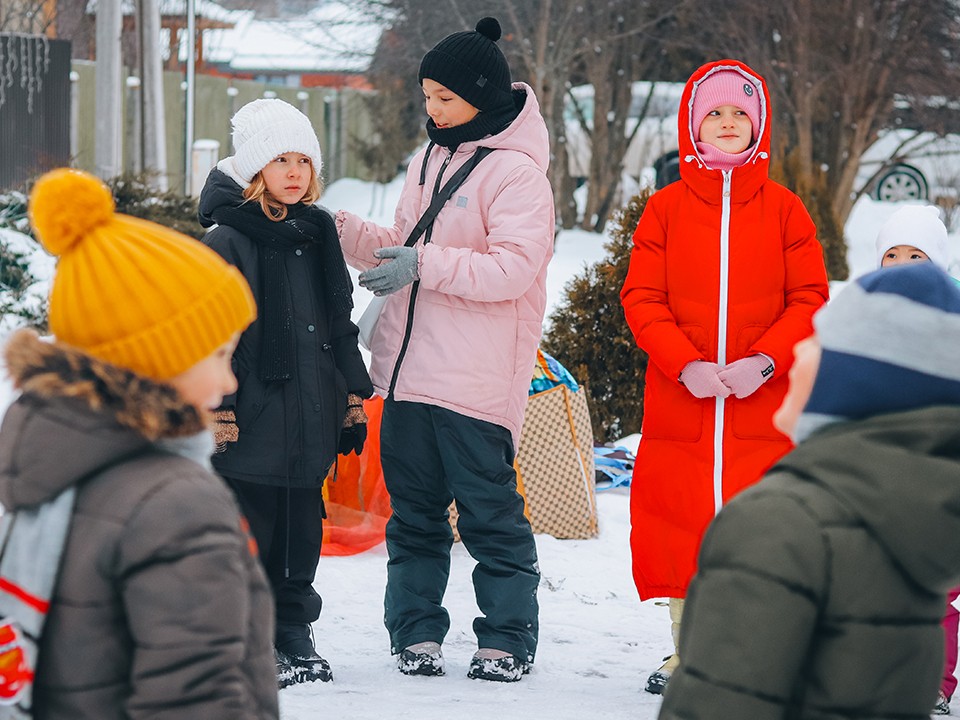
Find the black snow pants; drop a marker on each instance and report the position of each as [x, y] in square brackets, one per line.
[287, 524]
[431, 455]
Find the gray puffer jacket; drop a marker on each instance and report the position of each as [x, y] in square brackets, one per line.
[820, 590]
[161, 609]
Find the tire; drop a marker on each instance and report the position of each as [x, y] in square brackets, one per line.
[667, 169]
[901, 182]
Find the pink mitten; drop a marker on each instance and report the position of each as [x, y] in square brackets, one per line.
[702, 380]
[744, 376]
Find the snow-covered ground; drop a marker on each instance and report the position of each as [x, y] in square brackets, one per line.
[597, 641]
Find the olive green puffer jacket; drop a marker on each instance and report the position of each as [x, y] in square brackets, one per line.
[820, 591]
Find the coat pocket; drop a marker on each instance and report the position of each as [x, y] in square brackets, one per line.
[746, 337]
[250, 401]
[752, 417]
[670, 412]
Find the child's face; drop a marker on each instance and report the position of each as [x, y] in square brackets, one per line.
[288, 176]
[445, 107]
[803, 372]
[205, 384]
[727, 128]
[902, 255]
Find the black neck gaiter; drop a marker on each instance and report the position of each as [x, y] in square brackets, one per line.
[484, 124]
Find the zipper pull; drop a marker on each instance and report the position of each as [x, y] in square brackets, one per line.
[727, 175]
[446, 161]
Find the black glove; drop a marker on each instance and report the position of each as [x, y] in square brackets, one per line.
[352, 439]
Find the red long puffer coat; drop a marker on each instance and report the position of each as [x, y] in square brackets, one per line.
[723, 267]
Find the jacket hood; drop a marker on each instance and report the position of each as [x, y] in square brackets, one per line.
[748, 177]
[526, 134]
[900, 473]
[219, 190]
[77, 414]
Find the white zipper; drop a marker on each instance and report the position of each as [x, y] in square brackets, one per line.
[721, 339]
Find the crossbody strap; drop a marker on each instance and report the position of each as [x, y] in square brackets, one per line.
[446, 192]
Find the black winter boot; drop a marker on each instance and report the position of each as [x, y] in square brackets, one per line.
[943, 705]
[496, 665]
[424, 658]
[297, 658]
[657, 682]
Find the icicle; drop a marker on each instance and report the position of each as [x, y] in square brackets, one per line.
[10, 64]
[25, 56]
[40, 66]
[25, 65]
[3, 70]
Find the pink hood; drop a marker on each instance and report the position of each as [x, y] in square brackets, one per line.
[477, 316]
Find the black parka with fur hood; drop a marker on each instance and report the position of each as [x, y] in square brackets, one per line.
[160, 609]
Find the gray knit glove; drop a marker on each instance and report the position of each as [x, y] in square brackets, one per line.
[389, 277]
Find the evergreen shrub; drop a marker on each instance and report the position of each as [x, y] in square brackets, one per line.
[134, 195]
[588, 334]
[15, 276]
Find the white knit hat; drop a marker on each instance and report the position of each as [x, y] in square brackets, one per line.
[919, 226]
[265, 129]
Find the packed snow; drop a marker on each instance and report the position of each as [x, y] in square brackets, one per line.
[598, 642]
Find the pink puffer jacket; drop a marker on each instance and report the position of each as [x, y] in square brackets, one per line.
[477, 314]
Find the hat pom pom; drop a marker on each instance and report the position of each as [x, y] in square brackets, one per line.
[490, 28]
[66, 205]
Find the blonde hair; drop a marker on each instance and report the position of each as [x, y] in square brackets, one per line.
[273, 208]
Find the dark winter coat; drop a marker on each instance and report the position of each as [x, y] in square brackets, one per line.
[288, 431]
[820, 591]
[160, 608]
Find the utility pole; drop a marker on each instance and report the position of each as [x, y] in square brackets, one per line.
[154, 130]
[191, 97]
[109, 87]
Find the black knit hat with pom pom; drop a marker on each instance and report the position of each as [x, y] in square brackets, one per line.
[471, 65]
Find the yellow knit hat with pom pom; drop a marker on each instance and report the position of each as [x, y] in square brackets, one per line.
[129, 291]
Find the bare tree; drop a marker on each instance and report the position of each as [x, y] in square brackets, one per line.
[552, 44]
[543, 41]
[539, 40]
[32, 17]
[621, 42]
[608, 43]
[834, 69]
[396, 108]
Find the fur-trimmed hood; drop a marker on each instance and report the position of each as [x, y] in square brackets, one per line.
[77, 414]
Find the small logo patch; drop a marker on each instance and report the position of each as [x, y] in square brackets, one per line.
[748, 89]
[767, 370]
[461, 201]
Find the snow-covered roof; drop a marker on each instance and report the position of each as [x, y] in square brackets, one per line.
[204, 8]
[334, 37]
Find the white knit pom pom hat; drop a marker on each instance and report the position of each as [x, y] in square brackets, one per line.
[266, 129]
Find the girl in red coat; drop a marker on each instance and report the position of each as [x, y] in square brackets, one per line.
[725, 275]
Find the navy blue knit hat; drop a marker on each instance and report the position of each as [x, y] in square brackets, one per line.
[891, 342]
[471, 65]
